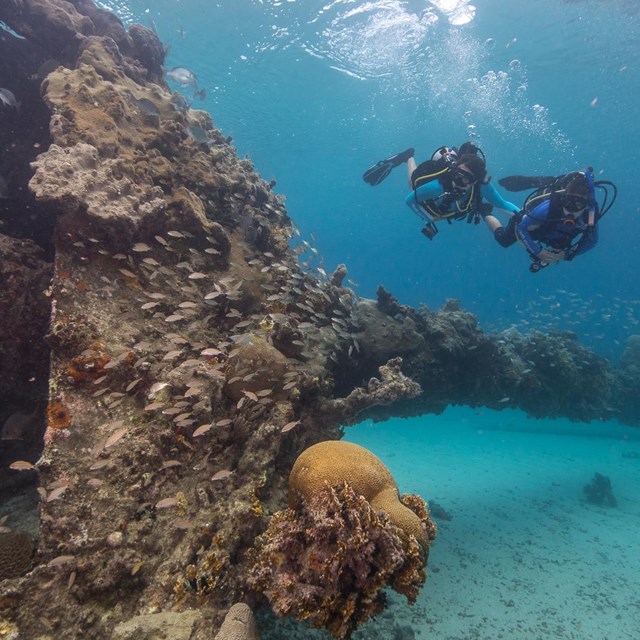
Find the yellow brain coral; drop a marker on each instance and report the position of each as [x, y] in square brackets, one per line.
[346, 537]
[335, 461]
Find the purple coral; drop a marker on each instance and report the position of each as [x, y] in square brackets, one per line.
[328, 562]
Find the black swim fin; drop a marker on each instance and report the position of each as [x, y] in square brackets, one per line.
[522, 183]
[376, 174]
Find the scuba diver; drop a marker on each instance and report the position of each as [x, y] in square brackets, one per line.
[452, 185]
[558, 220]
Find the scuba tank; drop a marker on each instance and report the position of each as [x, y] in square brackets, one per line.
[553, 191]
[439, 168]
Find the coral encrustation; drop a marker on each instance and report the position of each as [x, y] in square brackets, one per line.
[328, 561]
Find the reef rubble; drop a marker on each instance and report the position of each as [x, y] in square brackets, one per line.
[167, 354]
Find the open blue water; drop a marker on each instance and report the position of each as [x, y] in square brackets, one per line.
[314, 92]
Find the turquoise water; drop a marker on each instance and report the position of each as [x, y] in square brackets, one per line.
[524, 555]
[314, 93]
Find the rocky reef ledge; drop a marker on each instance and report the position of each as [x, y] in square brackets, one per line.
[167, 355]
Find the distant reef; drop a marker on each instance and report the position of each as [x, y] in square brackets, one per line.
[169, 348]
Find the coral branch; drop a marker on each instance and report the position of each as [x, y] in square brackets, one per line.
[392, 386]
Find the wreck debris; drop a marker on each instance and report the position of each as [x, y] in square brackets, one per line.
[599, 491]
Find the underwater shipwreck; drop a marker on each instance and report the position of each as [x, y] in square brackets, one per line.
[176, 371]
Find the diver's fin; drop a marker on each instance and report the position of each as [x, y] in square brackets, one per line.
[376, 174]
[521, 183]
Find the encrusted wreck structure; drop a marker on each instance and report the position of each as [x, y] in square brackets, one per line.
[165, 355]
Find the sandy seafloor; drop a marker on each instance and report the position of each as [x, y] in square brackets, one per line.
[524, 555]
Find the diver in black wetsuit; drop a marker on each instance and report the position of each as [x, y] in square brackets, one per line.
[452, 185]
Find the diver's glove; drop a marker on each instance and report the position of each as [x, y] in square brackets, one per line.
[550, 256]
[485, 209]
[536, 264]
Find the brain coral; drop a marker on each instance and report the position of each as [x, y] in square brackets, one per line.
[335, 461]
[15, 554]
[238, 624]
[328, 561]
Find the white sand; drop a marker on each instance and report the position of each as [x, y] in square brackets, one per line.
[525, 556]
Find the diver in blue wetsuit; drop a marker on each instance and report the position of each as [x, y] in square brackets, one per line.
[558, 221]
[453, 185]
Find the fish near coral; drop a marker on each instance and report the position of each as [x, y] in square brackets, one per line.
[148, 107]
[182, 76]
[7, 98]
[335, 461]
[20, 424]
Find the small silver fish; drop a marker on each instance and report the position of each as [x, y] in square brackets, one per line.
[21, 465]
[179, 103]
[56, 493]
[154, 405]
[167, 503]
[182, 76]
[201, 430]
[148, 107]
[60, 560]
[198, 134]
[8, 98]
[289, 426]
[222, 475]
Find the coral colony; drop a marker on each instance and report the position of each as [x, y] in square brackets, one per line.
[169, 349]
[347, 536]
